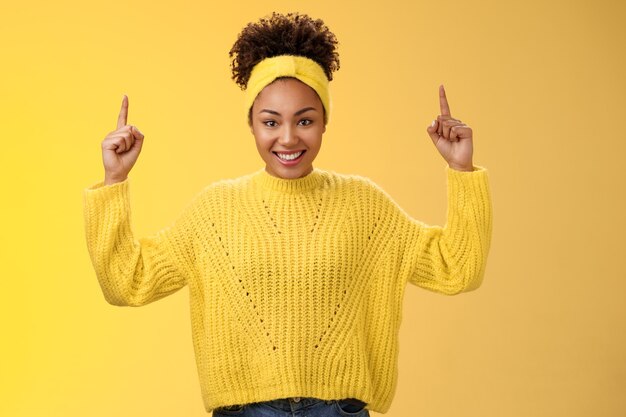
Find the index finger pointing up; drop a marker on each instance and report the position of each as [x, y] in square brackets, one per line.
[443, 102]
[123, 116]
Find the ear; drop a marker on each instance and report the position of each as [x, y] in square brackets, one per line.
[250, 118]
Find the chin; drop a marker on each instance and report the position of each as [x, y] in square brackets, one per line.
[290, 173]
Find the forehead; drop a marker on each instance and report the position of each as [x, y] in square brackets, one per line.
[288, 92]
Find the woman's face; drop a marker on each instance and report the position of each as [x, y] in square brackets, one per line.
[288, 118]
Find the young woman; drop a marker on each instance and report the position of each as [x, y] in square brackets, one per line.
[296, 274]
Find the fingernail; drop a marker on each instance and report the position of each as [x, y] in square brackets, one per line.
[432, 124]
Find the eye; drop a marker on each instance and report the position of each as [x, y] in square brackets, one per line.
[307, 120]
[269, 121]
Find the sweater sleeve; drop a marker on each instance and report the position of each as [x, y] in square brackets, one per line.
[134, 272]
[451, 259]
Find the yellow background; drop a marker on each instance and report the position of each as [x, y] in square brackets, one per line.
[540, 82]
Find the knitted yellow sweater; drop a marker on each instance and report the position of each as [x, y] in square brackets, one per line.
[295, 285]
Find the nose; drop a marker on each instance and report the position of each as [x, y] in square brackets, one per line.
[288, 136]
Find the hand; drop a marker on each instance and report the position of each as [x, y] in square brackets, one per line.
[121, 148]
[452, 138]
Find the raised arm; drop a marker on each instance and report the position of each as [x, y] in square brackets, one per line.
[450, 259]
[131, 271]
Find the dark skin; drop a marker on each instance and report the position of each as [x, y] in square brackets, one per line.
[451, 137]
[121, 148]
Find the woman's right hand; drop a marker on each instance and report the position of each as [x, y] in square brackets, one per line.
[121, 148]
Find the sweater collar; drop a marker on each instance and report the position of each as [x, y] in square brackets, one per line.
[308, 182]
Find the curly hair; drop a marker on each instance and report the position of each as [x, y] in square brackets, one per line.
[279, 34]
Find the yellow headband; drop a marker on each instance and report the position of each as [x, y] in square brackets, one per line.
[305, 69]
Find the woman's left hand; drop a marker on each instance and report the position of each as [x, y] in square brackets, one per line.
[452, 137]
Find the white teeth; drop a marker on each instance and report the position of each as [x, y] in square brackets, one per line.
[289, 157]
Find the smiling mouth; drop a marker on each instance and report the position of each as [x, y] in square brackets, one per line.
[289, 154]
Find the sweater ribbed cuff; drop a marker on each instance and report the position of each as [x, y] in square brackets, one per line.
[110, 197]
[467, 187]
[467, 181]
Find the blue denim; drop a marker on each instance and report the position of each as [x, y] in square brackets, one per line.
[297, 407]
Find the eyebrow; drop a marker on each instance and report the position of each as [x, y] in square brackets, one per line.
[299, 112]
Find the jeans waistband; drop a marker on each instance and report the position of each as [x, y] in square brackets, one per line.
[292, 403]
